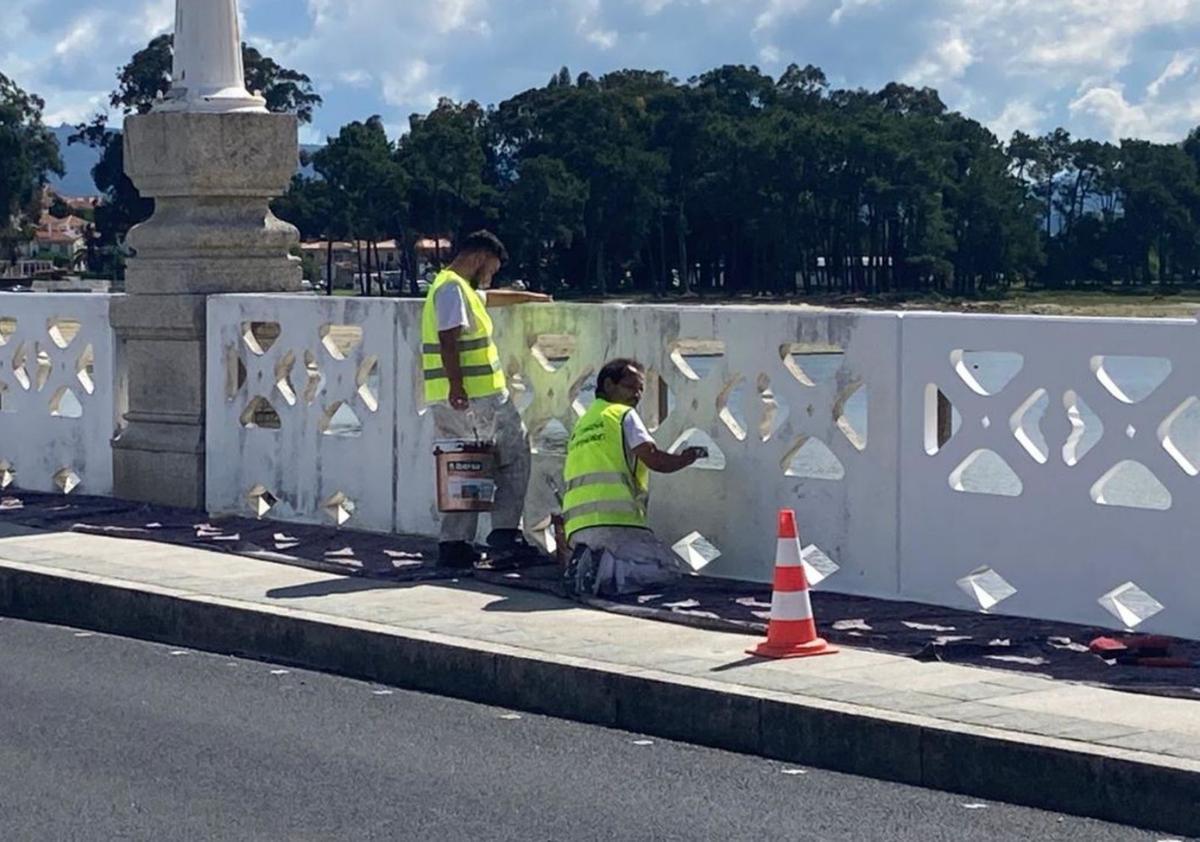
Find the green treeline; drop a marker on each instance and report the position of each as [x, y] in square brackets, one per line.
[737, 183]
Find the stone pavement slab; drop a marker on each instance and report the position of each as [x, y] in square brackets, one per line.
[859, 710]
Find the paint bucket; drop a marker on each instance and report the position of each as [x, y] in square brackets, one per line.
[466, 475]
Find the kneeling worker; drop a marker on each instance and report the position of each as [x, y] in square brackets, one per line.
[609, 459]
[468, 395]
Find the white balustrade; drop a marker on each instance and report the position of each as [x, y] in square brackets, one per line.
[1063, 493]
[60, 393]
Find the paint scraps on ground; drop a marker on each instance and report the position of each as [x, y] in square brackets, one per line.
[383, 692]
[84, 634]
[852, 625]
[643, 742]
[512, 717]
[974, 806]
[928, 627]
[279, 672]
[178, 652]
[794, 771]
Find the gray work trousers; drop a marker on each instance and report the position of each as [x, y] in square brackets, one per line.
[493, 418]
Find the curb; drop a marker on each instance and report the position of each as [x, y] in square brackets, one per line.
[1117, 786]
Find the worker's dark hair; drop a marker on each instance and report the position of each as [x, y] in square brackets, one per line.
[484, 241]
[614, 372]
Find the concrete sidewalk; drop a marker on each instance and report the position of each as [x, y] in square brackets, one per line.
[982, 732]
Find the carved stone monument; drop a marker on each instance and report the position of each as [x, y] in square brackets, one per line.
[212, 158]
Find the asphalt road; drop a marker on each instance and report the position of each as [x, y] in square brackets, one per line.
[104, 738]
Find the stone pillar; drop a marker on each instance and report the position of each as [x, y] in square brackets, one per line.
[212, 158]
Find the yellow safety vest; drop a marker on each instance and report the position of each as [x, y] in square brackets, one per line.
[603, 488]
[477, 354]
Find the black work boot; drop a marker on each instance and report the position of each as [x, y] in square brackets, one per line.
[458, 555]
[509, 549]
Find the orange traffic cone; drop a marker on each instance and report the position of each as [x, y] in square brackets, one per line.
[791, 632]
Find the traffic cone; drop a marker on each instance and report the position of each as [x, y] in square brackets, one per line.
[791, 632]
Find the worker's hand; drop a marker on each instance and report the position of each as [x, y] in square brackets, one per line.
[695, 454]
[458, 397]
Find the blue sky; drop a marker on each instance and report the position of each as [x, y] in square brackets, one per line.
[1102, 68]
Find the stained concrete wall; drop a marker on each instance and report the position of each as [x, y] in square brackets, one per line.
[904, 516]
[60, 392]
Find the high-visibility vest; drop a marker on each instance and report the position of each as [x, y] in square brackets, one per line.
[478, 358]
[602, 487]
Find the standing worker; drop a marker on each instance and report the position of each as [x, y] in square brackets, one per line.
[468, 395]
[609, 459]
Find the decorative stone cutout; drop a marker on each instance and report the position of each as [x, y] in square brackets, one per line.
[729, 408]
[543, 535]
[283, 378]
[817, 566]
[235, 373]
[367, 380]
[1086, 429]
[986, 372]
[851, 414]
[551, 438]
[339, 508]
[520, 392]
[8, 327]
[695, 359]
[697, 551]
[259, 337]
[67, 480]
[1131, 485]
[1131, 379]
[261, 500]
[699, 438]
[774, 414]
[1131, 605]
[986, 588]
[657, 401]
[340, 421]
[942, 420]
[8, 475]
[45, 367]
[340, 341]
[1025, 424]
[582, 393]
[85, 370]
[314, 378]
[986, 472]
[811, 458]
[812, 363]
[64, 404]
[553, 350]
[20, 358]
[260, 415]
[1184, 448]
[63, 332]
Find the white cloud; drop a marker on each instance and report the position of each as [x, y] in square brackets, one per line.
[1105, 67]
[849, 7]
[945, 62]
[1019, 115]
[1181, 64]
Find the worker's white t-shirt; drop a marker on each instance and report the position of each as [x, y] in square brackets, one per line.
[452, 309]
[636, 433]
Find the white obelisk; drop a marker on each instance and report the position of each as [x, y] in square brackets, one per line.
[208, 74]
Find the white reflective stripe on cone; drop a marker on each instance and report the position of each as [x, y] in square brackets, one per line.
[791, 605]
[787, 553]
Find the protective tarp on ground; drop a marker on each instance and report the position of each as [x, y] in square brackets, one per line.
[921, 632]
